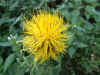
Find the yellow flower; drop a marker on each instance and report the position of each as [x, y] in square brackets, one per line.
[45, 36]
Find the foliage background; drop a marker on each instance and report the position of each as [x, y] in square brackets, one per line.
[83, 54]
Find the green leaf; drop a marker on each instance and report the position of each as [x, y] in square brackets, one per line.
[9, 61]
[3, 3]
[15, 69]
[75, 16]
[1, 60]
[5, 44]
[49, 0]
[82, 45]
[14, 5]
[90, 1]
[71, 51]
[98, 40]
[3, 20]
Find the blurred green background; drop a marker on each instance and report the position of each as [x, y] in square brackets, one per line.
[83, 54]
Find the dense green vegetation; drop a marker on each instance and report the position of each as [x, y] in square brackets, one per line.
[83, 54]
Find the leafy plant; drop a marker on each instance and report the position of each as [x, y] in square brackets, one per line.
[83, 54]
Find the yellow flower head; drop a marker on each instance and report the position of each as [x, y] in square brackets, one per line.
[45, 36]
